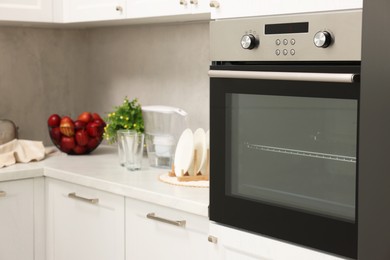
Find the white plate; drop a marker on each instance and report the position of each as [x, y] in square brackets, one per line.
[184, 152]
[203, 170]
[200, 148]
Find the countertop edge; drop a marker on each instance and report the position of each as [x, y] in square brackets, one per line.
[128, 191]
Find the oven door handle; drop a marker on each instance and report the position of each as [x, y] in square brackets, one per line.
[292, 76]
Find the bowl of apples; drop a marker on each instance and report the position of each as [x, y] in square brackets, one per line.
[76, 137]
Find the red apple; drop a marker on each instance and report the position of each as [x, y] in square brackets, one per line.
[96, 116]
[78, 124]
[100, 122]
[79, 149]
[55, 134]
[81, 137]
[54, 120]
[67, 126]
[67, 144]
[93, 129]
[93, 143]
[85, 117]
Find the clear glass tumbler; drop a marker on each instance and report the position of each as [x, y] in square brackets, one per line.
[121, 145]
[133, 147]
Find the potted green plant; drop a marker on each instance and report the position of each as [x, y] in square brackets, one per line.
[127, 116]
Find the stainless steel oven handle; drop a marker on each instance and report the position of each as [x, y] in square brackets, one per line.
[293, 76]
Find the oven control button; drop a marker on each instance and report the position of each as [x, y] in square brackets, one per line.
[249, 41]
[322, 39]
[285, 52]
[285, 41]
[277, 42]
[277, 52]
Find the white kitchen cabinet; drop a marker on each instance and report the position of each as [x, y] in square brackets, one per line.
[230, 244]
[154, 232]
[26, 10]
[244, 8]
[21, 219]
[83, 223]
[89, 10]
[161, 8]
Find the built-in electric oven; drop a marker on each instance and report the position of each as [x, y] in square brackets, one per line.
[284, 104]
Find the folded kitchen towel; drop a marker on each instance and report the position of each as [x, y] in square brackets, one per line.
[21, 151]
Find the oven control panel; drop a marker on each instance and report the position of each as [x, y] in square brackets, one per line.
[312, 36]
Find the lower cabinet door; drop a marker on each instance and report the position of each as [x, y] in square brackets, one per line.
[231, 244]
[17, 220]
[83, 223]
[156, 232]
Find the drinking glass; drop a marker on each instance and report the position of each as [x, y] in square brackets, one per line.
[133, 147]
[121, 145]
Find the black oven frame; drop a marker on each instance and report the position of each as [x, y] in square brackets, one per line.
[323, 233]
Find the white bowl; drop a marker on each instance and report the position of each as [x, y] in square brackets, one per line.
[184, 152]
[200, 149]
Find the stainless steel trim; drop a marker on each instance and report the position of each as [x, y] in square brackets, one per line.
[180, 223]
[2, 193]
[294, 76]
[226, 34]
[73, 195]
[212, 239]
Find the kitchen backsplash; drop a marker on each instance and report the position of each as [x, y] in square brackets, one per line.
[68, 71]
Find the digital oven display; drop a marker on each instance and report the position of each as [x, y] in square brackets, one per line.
[282, 28]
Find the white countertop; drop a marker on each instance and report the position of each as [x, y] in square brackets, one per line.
[101, 170]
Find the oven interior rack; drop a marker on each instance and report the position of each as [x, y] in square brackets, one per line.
[326, 156]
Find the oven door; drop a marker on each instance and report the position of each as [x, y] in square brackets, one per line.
[284, 153]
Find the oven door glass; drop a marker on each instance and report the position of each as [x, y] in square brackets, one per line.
[294, 152]
[284, 156]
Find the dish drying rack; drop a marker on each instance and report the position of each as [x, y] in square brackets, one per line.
[195, 176]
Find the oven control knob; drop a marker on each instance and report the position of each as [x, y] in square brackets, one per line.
[322, 39]
[249, 41]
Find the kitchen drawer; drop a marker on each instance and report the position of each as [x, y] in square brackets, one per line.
[83, 223]
[155, 232]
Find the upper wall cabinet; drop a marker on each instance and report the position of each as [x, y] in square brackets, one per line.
[159, 8]
[135, 11]
[89, 10]
[227, 9]
[26, 10]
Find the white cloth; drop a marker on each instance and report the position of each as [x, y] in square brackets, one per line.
[22, 151]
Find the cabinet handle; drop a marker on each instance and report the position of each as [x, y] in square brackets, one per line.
[119, 8]
[214, 4]
[194, 2]
[2, 193]
[212, 239]
[180, 223]
[74, 196]
[183, 2]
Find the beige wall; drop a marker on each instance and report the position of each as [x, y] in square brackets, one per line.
[42, 71]
[159, 64]
[45, 71]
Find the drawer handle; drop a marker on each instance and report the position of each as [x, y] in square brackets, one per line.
[214, 4]
[2, 193]
[212, 239]
[74, 196]
[180, 223]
